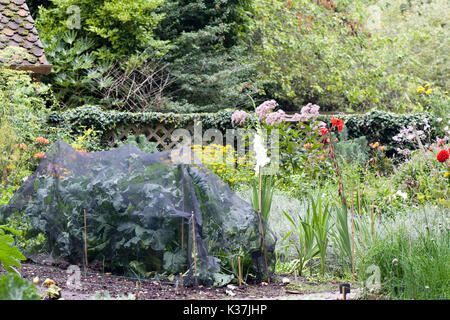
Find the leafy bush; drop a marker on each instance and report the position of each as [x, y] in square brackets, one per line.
[379, 126]
[22, 119]
[376, 126]
[141, 142]
[195, 42]
[108, 31]
[337, 55]
[207, 57]
[354, 151]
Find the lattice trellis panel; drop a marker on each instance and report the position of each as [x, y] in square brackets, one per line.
[159, 134]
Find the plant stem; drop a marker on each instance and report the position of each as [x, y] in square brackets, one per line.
[261, 229]
[353, 237]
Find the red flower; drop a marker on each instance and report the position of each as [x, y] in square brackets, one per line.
[324, 131]
[333, 121]
[338, 123]
[443, 155]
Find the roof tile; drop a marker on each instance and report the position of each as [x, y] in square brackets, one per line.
[17, 38]
[8, 32]
[13, 25]
[18, 30]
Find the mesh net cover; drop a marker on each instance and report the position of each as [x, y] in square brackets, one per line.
[139, 210]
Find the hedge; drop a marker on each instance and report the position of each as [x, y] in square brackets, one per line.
[375, 125]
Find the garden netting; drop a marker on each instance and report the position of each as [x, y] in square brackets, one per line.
[138, 210]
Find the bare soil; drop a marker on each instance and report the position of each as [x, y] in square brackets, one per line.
[94, 284]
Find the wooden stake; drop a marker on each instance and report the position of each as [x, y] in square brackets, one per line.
[85, 240]
[182, 221]
[181, 283]
[194, 247]
[182, 233]
[240, 272]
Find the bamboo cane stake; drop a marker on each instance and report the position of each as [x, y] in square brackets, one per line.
[182, 219]
[194, 247]
[85, 240]
[182, 233]
[181, 283]
[240, 271]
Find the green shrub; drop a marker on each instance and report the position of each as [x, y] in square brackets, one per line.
[141, 142]
[376, 126]
[333, 54]
[108, 31]
[22, 119]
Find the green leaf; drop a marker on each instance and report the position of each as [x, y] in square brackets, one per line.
[221, 279]
[174, 262]
[14, 287]
[9, 255]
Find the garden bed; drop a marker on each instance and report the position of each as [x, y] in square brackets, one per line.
[97, 285]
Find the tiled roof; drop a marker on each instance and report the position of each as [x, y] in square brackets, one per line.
[17, 30]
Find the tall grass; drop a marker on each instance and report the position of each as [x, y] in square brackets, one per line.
[412, 253]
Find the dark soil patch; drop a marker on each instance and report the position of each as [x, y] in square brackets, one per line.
[95, 284]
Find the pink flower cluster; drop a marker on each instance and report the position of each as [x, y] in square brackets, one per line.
[407, 134]
[275, 117]
[309, 111]
[239, 117]
[265, 108]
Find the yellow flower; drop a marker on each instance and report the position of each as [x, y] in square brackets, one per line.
[428, 85]
[446, 174]
[420, 89]
[429, 91]
[49, 282]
